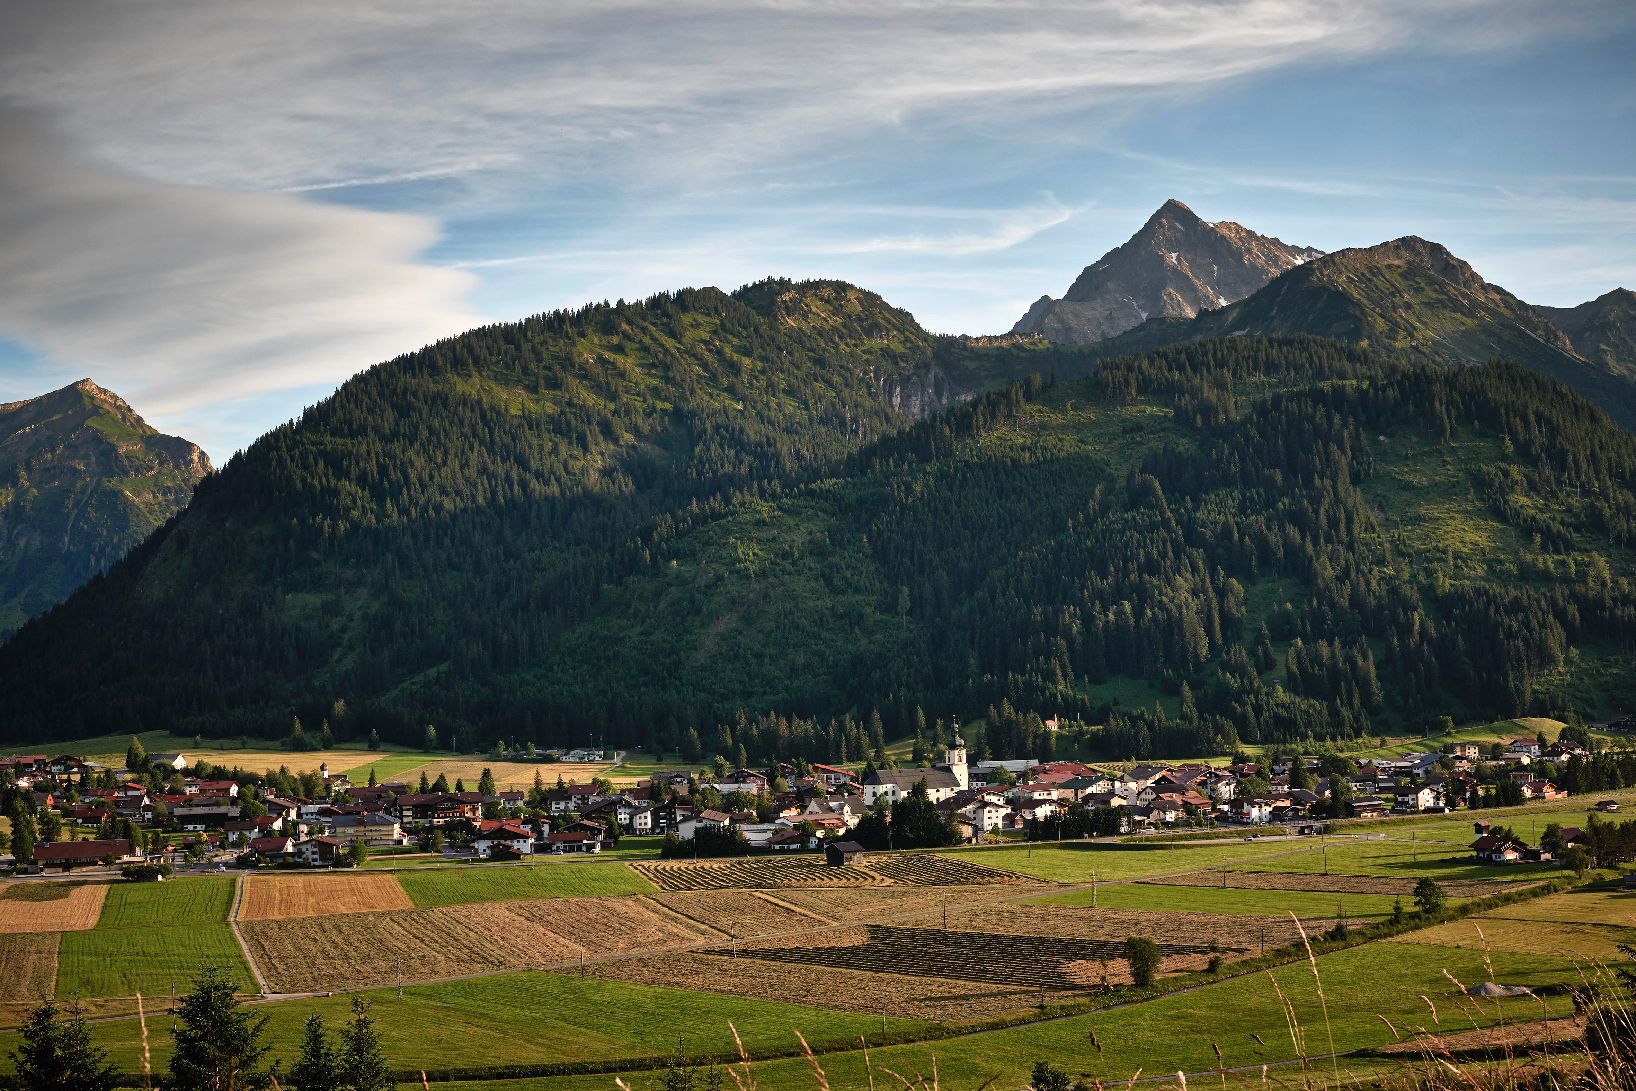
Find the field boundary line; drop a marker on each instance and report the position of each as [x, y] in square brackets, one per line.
[233, 923]
[792, 907]
[691, 923]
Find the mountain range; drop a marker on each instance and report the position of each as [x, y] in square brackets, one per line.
[1315, 510]
[83, 478]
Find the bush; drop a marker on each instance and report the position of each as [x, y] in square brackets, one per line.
[145, 873]
[1145, 958]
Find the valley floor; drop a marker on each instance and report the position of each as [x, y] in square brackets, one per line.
[981, 961]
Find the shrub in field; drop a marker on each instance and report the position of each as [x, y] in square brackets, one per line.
[1429, 897]
[1144, 957]
[145, 873]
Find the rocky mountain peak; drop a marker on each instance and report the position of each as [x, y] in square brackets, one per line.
[1175, 266]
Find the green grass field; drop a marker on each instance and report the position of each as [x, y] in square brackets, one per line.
[1396, 858]
[530, 1017]
[554, 879]
[1177, 1032]
[152, 937]
[1249, 903]
[1077, 863]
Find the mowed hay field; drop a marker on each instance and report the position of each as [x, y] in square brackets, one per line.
[1583, 925]
[316, 953]
[28, 966]
[277, 897]
[36, 905]
[945, 1000]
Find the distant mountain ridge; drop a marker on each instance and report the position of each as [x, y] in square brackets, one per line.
[83, 478]
[1176, 266]
[1602, 330]
[1412, 296]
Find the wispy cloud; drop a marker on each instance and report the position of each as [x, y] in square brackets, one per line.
[184, 297]
[184, 218]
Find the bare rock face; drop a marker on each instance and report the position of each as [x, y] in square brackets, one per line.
[1176, 266]
[83, 478]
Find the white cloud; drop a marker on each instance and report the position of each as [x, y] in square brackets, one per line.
[181, 240]
[182, 297]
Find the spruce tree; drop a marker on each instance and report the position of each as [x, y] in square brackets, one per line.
[219, 1044]
[57, 1054]
[315, 1067]
[361, 1061]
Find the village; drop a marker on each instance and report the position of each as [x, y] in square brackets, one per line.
[174, 812]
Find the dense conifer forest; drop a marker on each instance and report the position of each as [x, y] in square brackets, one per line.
[713, 523]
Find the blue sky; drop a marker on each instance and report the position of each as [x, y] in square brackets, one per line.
[222, 212]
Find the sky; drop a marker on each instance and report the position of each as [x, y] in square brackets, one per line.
[223, 211]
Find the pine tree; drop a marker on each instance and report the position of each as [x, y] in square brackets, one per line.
[57, 1054]
[218, 1044]
[361, 1061]
[485, 783]
[22, 833]
[315, 1067]
[136, 756]
[425, 785]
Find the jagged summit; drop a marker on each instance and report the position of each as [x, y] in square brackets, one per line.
[1175, 266]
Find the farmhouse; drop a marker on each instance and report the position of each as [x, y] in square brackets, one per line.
[574, 841]
[507, 837]
[1494, 849]
[177, 762]
[277, 847]
[832, 777]
[71, 854]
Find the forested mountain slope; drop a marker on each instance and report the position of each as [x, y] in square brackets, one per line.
[83, 478]
[1412, 297]
[1315, 540]
[434, 526]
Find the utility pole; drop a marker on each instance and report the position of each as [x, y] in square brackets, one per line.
[400, 977]
[1093, 888]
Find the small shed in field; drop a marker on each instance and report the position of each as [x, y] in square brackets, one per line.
[841, 853]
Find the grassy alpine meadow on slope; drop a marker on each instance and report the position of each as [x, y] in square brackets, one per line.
[510, 882]
[532, 1018]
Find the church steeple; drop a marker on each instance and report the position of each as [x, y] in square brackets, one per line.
[954, 758]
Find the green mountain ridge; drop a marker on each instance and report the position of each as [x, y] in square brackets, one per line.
[713, 512]
[83, 478]
[445, 516]
[1414, 298]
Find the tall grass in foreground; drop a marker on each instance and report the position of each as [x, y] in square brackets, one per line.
[1467, 1046]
